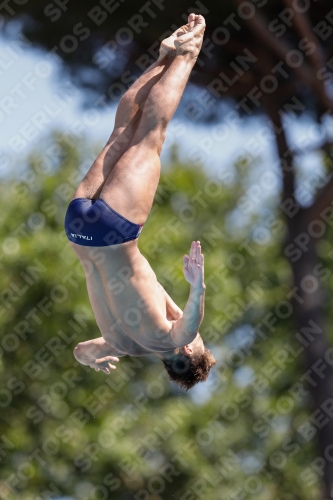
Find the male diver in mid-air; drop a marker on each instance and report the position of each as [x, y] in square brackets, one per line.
[105, 216]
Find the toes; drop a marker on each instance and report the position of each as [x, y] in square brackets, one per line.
[199, 19]
[199, 24]
[184, 39]
[191, 20]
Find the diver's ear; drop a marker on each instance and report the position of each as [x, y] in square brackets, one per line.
[188, 349]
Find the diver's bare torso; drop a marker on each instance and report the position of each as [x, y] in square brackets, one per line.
[128, 302]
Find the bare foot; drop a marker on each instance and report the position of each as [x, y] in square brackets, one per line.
[168, 46]
[191, 41]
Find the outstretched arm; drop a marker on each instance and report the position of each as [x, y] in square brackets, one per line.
[97, 354]
[185, 329]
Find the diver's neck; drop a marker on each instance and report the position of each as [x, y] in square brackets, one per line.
[168, 355]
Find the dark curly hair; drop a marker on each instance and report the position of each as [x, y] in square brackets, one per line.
[187, 371]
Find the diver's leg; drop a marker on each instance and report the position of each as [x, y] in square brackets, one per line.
[132, 183]
[127, 119]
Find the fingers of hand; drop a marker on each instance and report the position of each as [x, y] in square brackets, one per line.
[192, 250]
[195, 251]
[104, 364]
[193, 264]
[105, 360]
[107, 367]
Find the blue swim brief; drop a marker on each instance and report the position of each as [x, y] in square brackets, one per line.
[93, 223]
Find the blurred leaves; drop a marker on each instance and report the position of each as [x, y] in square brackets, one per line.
[69, 430]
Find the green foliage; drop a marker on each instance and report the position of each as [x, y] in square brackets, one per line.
[133, 434]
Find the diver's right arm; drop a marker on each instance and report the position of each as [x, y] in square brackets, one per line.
[185, 329]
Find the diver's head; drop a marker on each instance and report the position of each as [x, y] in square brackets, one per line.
[191, 364]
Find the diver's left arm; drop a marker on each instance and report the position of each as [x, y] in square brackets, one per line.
[97, 354]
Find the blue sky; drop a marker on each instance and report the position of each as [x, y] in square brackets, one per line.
[34, 100]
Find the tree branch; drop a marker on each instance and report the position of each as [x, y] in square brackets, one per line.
[324, 200]
[286, 159]
[302, 24]
[258, 25]
[303, 27]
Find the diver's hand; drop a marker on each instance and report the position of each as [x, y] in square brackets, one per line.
[194, 266]
[104, 364]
